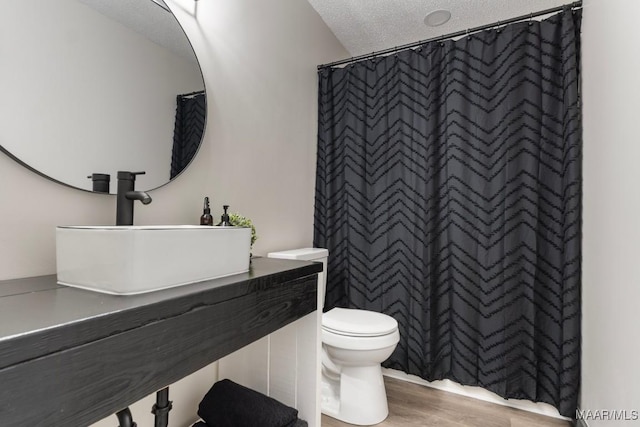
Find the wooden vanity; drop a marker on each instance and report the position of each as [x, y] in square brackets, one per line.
[70, 357]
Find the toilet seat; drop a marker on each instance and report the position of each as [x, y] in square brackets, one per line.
[352, 329]
[347, 342]
[358, 323]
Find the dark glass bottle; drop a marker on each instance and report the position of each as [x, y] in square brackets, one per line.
[206, 218]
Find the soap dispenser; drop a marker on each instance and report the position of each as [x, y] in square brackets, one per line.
[206, 218]
[225, 217]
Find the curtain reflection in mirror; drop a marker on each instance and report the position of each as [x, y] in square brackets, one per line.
[189, 127]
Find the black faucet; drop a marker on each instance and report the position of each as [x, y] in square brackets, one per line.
[126, 196]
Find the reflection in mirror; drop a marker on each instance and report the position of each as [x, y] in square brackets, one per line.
[91, 87]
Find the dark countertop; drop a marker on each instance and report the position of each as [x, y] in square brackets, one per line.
[152, 339]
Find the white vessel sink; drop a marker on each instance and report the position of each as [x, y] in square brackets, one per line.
[128, 260]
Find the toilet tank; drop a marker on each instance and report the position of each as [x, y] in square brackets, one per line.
[309, 254]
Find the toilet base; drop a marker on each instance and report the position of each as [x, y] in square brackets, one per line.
[357, 397]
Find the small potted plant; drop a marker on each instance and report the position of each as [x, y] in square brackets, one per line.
[241, 221]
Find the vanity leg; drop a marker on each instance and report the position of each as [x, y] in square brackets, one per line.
[162, 407]
[125, 419]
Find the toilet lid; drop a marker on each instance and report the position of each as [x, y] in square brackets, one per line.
[352, 322]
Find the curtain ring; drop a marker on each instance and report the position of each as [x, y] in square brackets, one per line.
[531, 18]
[498, 29]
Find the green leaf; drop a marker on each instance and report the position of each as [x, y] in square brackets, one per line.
[242, 221]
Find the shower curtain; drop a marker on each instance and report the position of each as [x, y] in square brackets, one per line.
[448, 193]
[191, 111]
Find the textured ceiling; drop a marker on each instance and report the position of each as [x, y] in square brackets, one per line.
[365, 26]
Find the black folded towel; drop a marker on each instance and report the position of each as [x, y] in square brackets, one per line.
[228, 404]
[297, 423]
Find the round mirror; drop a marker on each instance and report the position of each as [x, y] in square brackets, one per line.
[91, 87]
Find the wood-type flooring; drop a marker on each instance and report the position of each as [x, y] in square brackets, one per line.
[412, 405]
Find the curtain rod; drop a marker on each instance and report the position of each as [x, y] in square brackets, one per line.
[197, 92]
[573, 5]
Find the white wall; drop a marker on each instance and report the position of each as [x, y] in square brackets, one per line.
[259, 60]
[611, 215]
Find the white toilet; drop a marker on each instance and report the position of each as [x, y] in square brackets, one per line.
[354, 344]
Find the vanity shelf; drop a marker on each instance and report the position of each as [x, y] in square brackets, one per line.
[70, 357]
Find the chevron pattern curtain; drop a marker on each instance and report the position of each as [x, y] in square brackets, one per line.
[448, 193]
[191, 113]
